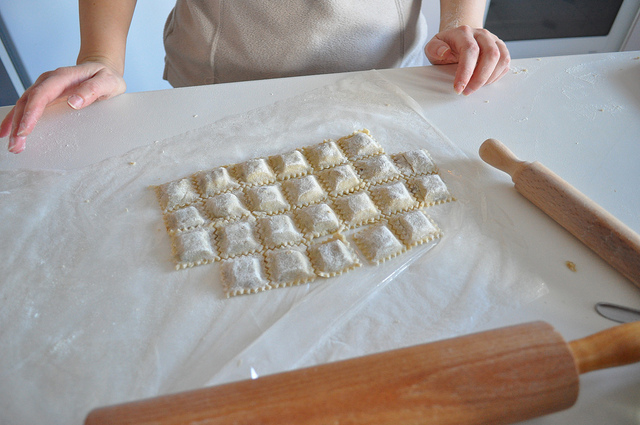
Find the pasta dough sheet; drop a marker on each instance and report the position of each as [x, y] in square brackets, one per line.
[94, 312]
[195, 238]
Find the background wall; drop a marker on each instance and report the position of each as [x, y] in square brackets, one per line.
[51, 38]
[46, 36]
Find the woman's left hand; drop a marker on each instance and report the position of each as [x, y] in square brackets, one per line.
[482, 57]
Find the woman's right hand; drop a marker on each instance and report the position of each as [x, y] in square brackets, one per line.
[78, 85]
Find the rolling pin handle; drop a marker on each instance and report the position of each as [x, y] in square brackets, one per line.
[617, 346]
[496, 154]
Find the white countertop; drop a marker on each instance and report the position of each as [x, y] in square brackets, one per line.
[578, 115]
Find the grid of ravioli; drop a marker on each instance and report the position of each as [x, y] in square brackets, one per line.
[311, 212]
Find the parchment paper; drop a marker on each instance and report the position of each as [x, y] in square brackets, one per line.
[93, 312]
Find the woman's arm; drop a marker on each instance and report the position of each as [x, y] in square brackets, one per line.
[104, 25]
[482, 57]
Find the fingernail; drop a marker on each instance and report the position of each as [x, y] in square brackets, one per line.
[16, 144]
[441, 51]
[459, 88]
[21, 129]
[75, 101]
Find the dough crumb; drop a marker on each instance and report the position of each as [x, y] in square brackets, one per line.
[571, 266]
[132, 163]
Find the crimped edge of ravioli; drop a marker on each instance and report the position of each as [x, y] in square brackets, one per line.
[401, 231]
[340, 205]
[216, 221]
[365, 245]
[322, 176]
[377, 193]
[233, 185]
[310, 153]
[187, 264]
[287, 190]
[296, 282]
[161, 192]
[353, 264]
[260, 228]
[166, 217]
[237, 173]
[342, 143]
[227, 287]
[411, 185]
[251, 202]
[407, 169]
[280, 169]
[311, 233]
[357, 165]
[220, 239]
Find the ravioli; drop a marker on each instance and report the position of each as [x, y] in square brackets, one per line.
[333, 257]
[244, 275]
[378, 243]
[286, 219]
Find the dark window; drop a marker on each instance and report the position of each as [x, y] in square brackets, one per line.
[514, 20]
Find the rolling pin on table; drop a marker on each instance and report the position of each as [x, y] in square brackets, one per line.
[494, 377]
[607, 236]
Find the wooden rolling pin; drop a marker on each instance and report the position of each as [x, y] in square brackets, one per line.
[495, 377]
[607, 236]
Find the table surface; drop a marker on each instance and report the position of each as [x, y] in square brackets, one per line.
[578, 115]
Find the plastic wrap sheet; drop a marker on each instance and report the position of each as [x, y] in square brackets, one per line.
[93, 312]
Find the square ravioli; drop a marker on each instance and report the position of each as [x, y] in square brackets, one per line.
[290, 164]
[304, 191]
[393, 197]
[266, 199]
[414, 228]
[317, 220]
[324, 155]
[225, 206]
[289, 266]
[377, 169]
[333, 257]
[430, 189]
[356, 209]
[278, 230]
[255, 171]
[360, 145]
[184, 219]
[415, 162]
[194, 247]
[340, 179]
[176, 194]
[237, 238]
[244, 275]
[378, 243]
[215, 181]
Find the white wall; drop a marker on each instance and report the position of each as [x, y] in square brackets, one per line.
[47, 36]
[50, 38]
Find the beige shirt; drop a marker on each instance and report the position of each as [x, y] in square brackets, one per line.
[215, 41]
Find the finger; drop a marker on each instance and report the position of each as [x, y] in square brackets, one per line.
[439, 52]
[468, 52]
[5, 127]
[48, 89]
[17, 144]
[488, 60]
[503, 64]
[103, 85]
[31, 105]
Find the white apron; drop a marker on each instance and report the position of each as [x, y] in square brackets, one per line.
[216, 41]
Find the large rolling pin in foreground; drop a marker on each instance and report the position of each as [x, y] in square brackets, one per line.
[495, 377]
[607, 236]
